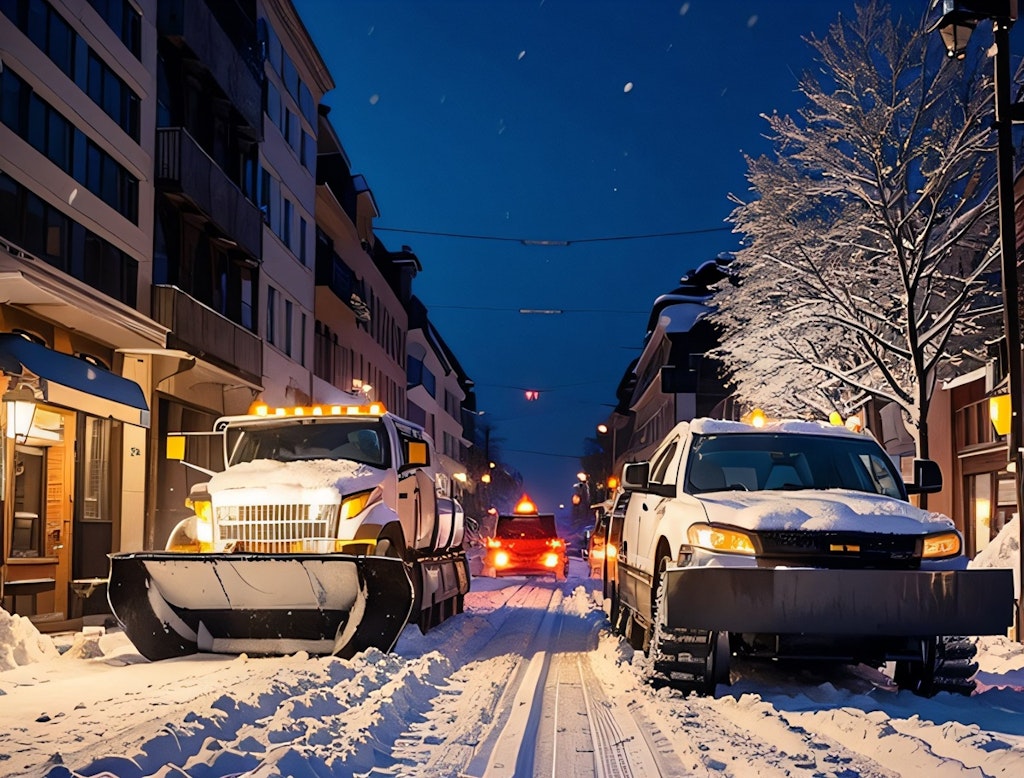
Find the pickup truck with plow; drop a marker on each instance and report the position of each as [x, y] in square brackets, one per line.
[795, 540]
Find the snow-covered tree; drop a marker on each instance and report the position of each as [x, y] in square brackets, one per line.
[868, 255]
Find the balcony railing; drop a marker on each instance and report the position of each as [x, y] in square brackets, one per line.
[200, 330]
[183, 166]
[234, 60]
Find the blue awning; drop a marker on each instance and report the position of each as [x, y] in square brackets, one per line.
[73, 383]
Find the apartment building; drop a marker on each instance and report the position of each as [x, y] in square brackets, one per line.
[78, 98]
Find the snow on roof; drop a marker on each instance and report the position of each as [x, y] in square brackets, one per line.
[704, 426]
[682, 316]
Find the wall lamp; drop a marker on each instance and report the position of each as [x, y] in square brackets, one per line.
[21, 412]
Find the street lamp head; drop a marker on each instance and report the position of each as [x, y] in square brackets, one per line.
[602, 428]
[960, 17]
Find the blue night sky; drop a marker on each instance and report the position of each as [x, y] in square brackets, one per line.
[557, 120]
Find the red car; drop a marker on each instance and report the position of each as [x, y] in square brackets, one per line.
[526, 542]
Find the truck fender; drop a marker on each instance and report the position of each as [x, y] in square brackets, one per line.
[184, 536]
[375, 520]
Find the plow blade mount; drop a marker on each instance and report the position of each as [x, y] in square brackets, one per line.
[171, 604]
[841, 602]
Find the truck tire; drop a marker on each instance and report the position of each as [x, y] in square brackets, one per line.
[686, 659]
[948, 666]
[614, 615]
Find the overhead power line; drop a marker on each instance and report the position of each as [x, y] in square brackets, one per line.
[556, 242]
[537, 311]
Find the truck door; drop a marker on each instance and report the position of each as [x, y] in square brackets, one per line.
[641, 526]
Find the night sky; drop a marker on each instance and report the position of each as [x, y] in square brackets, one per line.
[498, 124]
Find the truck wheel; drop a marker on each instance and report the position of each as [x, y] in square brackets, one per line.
[948, 666]
[685, 659]
[612, 593]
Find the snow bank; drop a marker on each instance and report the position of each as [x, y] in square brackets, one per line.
[21, 643]
[1003, 551]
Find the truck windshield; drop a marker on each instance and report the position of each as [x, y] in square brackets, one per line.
[357, 440]
[761, 461]
[526, 527]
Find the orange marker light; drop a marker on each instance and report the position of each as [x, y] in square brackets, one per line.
[525, 505]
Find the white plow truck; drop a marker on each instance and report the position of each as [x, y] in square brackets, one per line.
[796, 540]
[324, 533]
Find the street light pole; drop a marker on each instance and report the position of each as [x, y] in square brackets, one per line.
[1008, 256]
[959, 18]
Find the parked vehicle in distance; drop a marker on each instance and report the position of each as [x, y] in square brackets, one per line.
[613, 543]
[796, 540]
[597, 538]
[526, 542]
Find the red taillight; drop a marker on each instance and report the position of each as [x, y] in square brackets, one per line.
[501, 559]
[551, 560]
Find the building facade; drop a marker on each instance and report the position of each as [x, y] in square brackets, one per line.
[162, 222]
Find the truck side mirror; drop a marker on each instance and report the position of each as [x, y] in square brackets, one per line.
[927, 477]
[416, 453]
[636, 475]
[176, 447]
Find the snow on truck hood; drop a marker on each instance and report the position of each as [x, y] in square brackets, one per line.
[822, 511]
[290, 477]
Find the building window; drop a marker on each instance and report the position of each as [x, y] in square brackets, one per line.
[124, 20]
[66, 146]
[41, 229]
[286, 223]
[303, 231]
[288, 315]
[302, 342]
[271, 313]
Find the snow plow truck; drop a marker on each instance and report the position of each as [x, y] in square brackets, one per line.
[796, 540]
[324, 532]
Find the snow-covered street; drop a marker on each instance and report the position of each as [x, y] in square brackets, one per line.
[529, 681]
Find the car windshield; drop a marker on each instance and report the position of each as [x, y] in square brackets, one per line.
[526, 527]
[357, 440]
[763, 461]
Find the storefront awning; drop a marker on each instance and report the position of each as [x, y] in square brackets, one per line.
[73, 383]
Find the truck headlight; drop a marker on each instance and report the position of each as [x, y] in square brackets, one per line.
[355, 504]
[724, 539]
[941, 545]
[202, 506]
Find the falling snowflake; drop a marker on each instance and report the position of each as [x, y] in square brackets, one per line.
[683, 9]
[374, 99]
[521, 54]
[628, 87]
[752, 21]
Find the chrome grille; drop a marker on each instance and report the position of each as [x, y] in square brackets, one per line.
[263, 524]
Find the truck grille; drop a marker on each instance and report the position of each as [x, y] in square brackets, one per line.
[272, 527]
[839, 549]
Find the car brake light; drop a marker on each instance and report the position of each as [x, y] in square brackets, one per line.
[550, 560]
[501, 559]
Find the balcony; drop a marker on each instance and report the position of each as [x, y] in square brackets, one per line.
[202, 331]
[233, 60]
[182, 166]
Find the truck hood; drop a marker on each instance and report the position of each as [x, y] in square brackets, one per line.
[286, 479]
[814, 510]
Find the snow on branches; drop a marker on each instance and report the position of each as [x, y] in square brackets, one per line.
[868, 255]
